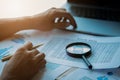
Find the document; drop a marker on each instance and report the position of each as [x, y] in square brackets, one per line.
[82, 74]
[105, 50]
[51, 71]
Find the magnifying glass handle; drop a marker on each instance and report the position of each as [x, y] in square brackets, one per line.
[87, 62]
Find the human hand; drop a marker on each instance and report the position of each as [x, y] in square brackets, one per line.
[54, 18]
[24, 64]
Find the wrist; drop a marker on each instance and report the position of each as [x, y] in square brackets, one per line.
[27, 22]
[32, 22]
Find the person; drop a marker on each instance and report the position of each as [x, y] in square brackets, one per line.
[26, 62]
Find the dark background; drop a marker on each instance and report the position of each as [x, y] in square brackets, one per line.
[99, 3]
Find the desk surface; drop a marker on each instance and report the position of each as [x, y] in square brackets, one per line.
[17, 8]
[61, 72]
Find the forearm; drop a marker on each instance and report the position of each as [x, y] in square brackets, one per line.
[10, 26]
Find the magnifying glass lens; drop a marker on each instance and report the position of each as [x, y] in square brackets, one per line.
[78, 49]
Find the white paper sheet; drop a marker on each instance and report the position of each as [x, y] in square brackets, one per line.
[51, 71]
[82, 74]
[105, 50]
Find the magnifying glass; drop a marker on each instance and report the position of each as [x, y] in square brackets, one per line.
[80, 50]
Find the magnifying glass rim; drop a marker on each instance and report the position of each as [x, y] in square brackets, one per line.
[87, 54]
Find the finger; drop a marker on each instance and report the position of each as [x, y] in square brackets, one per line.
[34, 52]
[42, 63]
[60, 19]
[39, 57]
[65, 19]
[62, 25]
[67, 15]
[28, 46]
[57, 20]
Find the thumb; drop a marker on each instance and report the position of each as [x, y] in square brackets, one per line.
[28, 45]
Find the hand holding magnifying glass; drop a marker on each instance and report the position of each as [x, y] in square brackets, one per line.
[79, 50]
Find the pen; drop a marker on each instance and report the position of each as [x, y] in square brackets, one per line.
[7, 57]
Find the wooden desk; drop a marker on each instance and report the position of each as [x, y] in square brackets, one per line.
[17, 8]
